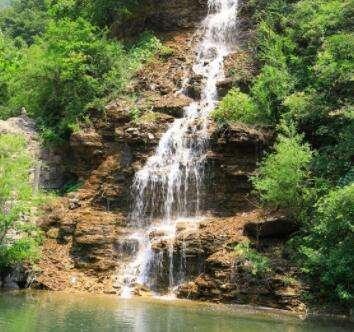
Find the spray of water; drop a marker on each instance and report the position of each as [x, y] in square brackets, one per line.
[168, 188]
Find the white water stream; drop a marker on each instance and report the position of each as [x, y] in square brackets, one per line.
[168, 188]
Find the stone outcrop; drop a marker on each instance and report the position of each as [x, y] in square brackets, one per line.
[87, 231]
[275, 226]
[48, 171]
[232, 158]
[226, 277]
[19, 276]
[208, 267]
[162, 15]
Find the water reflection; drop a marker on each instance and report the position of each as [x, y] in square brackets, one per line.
[44, 312]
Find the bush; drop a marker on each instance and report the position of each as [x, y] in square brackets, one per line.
[335, 66]
[269, 90]
[257, 264]
[16, 201]
[281, 176]
[66, 70]
[327, 251]
[69, 70]
[236, 107]
[10, 57]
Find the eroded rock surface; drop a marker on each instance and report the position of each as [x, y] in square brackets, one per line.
[88, 230]
[48, 171]
[162, 15]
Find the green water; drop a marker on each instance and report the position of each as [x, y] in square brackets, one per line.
[43, 311]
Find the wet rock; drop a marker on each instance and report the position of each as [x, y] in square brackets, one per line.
[224, 86]
[142, 291]
[9, 284]
[172, 105]
[127, 246]
[110, 291]
[186, 225]
[194, 87]
[18, 277]
[156, 234]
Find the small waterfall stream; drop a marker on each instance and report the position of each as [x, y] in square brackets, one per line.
[168, 188]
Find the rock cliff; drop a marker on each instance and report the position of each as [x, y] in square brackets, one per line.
[86, 231]
[161, 15]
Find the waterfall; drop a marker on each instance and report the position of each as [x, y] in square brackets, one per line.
[168, 188]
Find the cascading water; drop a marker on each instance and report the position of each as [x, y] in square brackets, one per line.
[168, 188]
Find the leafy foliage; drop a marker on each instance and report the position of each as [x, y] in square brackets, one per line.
[326, 252]
[10, 58]
[305, 83]
[256, 263]
[18, 239]
[282, 174]
[24, 19]
[236, 106]
[69, 70]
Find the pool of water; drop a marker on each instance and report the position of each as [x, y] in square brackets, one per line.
[45, 311]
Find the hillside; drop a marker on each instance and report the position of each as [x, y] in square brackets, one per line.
[200, 148]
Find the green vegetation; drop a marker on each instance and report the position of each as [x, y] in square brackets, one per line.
[57, 61]
[236, 106]
[59, 65]
[256, 263]
[283, 174]
[304, 91]
[19, 237]
[326, 251]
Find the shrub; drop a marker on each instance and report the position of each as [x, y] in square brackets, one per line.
[66, 70]
[236, 107]
[71, 69]
[327, 252]
[257, 264]
[10, 57]
[335, 66]
[24, 19]
[16, 201]
[269, 90]
[282, 173]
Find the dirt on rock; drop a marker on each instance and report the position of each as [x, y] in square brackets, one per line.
[86, 230]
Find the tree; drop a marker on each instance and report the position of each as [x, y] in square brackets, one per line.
[65, 71]
[24, 19]
[326, 251]
[281, 176]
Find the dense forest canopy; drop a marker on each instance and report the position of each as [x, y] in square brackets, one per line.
[58, 61]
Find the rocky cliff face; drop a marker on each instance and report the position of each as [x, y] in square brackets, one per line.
[49, 171]
[161, 15]
[86, 231]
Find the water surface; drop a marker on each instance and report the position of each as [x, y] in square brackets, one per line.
[45, 311]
